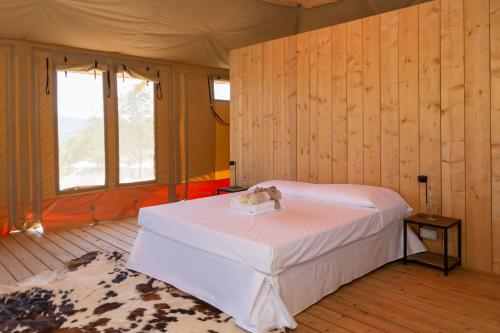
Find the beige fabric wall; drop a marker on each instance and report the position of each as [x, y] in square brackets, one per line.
[33, 142]
[201, 129]
[222, 142]
[4, 110]
[208, 152]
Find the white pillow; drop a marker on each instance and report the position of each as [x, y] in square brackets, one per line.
[391, 205]
[352, 195]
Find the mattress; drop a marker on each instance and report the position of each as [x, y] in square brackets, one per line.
[269, 243]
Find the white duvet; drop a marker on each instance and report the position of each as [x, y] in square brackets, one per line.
[317, 219]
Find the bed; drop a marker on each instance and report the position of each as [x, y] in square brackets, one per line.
[264, 269]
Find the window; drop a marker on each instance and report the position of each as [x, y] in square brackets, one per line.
[136, 130]
[80, 130]
[222, 90]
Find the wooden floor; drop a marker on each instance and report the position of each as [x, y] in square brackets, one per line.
[394, 298]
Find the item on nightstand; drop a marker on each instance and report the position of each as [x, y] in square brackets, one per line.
[430, 206]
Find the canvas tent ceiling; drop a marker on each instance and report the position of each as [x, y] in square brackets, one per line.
[303, 3]
[191, 31]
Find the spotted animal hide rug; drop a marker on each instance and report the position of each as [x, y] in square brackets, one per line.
[96, 293]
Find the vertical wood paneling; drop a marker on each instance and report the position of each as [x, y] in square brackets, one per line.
[379, 101]
[278, 91]
[255, 105]
[408, 105]
[313, 108]
[241, 109]
[246, 69]
[290, 109]
[495, 129]
[303, 107]
[371, 100]
[339, 103]
[267, 112]
[355, 101]
[325, 104]
[452, 113]
[429, 100]
[389, 100]
[477, 134]
[236, 130]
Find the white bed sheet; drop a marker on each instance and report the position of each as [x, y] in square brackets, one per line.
[268, 243]
[264, 269]
[260, 302]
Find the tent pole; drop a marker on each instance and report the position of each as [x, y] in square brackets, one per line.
[186, 148]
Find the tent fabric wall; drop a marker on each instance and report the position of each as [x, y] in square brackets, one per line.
[4, 153]
[203, 163]
[222, 142]
[32, 196]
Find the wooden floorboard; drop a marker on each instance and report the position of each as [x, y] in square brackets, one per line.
[99, 243]
[39, 252]
[13, 265]
[63, 243]
[57, 251]
[394, 298]
[5, 277]
[94, 230]
[123, 230]
[32, 263]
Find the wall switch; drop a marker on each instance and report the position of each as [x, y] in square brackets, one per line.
[428, 233]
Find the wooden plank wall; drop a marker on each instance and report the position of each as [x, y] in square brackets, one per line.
[379, 101]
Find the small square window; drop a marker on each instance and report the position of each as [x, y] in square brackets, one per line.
[222, 90]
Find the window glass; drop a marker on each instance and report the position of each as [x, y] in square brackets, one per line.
[222, 90]
[136, 130]
[80, 130]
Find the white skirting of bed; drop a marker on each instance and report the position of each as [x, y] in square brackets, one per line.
[258, 301]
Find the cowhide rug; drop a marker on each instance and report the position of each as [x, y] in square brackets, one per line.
[98, 294]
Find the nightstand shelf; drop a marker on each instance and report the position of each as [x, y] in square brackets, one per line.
[438, 260]
[231, 189]
[434, 259]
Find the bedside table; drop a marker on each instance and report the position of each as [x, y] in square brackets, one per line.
[442, 261]
[231, 189]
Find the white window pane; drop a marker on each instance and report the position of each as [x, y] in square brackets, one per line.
[80, 126]
[136, 130]
[222, 90]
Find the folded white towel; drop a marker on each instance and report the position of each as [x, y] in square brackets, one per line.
[262, 208]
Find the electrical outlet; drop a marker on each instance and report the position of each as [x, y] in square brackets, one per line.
[428, 233]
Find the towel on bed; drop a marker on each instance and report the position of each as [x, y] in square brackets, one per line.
[262, 208]
[261, 195]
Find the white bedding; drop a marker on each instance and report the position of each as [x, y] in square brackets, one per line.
[272, 242]
[318, 221]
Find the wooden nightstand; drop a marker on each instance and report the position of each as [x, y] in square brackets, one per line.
[231, 189]
[442, 261]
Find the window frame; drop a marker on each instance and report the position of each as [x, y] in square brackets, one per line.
[79, 189]
[117, 130]
[214, 78]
